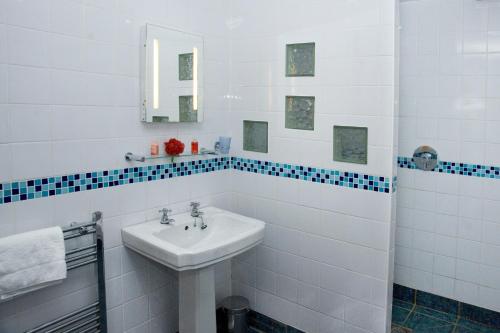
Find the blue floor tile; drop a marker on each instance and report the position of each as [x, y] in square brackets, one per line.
[399, 315]
[467, 326]
[403, 293]
[254, 330]
[424, 312]
[444, 316]
[400, 329]
[480, 315]
[402, 304]
[420, 323]
[437, 302]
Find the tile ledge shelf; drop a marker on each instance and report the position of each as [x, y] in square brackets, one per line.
[131, 157]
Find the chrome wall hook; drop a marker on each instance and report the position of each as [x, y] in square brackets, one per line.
[425, 158]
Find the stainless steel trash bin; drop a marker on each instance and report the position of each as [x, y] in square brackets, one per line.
[236, 309]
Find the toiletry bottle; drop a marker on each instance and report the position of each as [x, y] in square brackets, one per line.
[155, 149]
[194, 147]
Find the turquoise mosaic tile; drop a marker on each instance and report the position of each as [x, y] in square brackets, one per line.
[50, 186]
[299, 112]
[186, 112]
[300, 59]
[316, 175]
[255, 136]
[185, 66]
[57, 185]
[350, 144]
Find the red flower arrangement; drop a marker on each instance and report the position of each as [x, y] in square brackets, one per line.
[174, 147]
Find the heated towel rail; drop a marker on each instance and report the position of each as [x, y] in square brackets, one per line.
[91, 318]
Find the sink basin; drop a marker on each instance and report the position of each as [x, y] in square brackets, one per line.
[181, 246]
[193, 252]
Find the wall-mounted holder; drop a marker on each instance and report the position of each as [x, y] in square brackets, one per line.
[425, 158]
[130, 157]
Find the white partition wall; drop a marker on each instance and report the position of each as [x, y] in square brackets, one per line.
[325, 264]
[448, 236]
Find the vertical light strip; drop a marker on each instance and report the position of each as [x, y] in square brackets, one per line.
[195, 78]
[156, 74]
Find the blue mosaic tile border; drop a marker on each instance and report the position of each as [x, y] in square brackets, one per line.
[315, 175]
[50, 186]
[456, 168]
[257, 323]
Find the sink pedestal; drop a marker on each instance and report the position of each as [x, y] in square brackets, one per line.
[197, 301]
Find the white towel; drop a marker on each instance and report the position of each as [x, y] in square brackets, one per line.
[31, 261]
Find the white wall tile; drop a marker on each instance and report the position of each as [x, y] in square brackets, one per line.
[28, 85]
[33, 13]
[69, 89]
[135, 312]
[27, 47]
[460, 211]
[66, 17]
[35, 121]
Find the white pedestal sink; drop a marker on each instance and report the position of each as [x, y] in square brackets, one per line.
[193, 252]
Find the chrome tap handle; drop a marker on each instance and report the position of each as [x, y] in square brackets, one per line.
[194, 204]
[164, 217]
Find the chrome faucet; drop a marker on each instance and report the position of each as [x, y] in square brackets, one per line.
[196, 213]
[164, 216]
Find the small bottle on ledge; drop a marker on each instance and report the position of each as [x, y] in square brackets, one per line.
[155, 149]
[194, 147]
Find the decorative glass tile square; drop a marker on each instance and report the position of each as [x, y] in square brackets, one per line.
[186, 112]
[350, 144]
[299, 112]
[300, 59]
[255, 136]
[185, 66]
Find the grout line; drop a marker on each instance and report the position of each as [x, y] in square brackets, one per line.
[458, 313]
[408, 316]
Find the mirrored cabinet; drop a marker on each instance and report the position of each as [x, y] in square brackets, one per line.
[172, 76]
